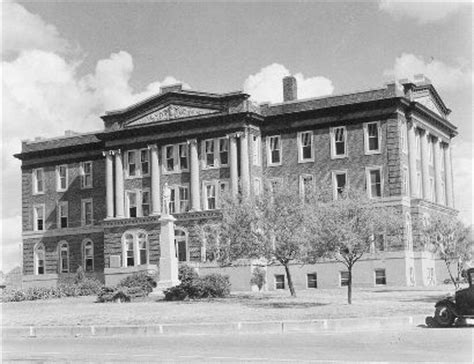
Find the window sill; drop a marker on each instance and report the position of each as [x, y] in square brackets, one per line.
[274, 165]
[339, 156]
[306, 160]
[372, 152]
[175, 172]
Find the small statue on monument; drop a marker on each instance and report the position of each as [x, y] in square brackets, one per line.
[166, 199]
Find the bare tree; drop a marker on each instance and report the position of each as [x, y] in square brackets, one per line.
[344, 229]
[448, 237]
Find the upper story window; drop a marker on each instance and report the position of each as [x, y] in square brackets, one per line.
[175, 158]
[131, 203]
[63, 214]
[403, 137]
[214, 191]
[88, 255]
[338, 142]
[138, 203]
[274, 150]
[257, 150]
[61, 177]
[372, 137]
[339, 181]
[215, 152]
[38, 180]
[374, 181]
[305, 146]
[179, 199]
[137, 163]
[86, 174]
[63, 257]
[87, 216]
[38, 218]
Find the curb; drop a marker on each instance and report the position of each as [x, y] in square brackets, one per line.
[219, 328]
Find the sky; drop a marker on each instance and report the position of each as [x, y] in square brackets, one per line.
[65, 63]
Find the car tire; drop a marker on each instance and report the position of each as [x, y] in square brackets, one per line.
[444, 316]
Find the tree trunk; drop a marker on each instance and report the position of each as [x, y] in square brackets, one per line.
[290, 282]
[349, 286]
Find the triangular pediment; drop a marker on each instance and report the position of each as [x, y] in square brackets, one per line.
[171, 112]
[428, 102]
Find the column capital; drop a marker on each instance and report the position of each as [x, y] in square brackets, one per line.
[237, 134]
[191, 141]
[152, 147]
[105, 153]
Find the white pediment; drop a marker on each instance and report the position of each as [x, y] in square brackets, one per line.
[427, 101]
[171, 112]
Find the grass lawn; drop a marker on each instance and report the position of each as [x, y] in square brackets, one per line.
[309, 304]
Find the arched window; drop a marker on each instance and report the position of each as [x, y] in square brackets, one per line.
[135, 248]
[88, 255]
[63, 257]
[181, 245]
[39, 259]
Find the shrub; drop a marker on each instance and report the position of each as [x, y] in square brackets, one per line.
[110, 294]
[144, 281]
[187, 274]
[176, 293]
[215, 285]
[259, 277]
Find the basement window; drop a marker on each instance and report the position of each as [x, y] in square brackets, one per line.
[279, 281]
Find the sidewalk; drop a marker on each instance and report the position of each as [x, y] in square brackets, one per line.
[245, 327]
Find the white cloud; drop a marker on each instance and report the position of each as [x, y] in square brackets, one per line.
[443, 76]
[422, 11]
[267, 86]
[463, 166]
[9, 248]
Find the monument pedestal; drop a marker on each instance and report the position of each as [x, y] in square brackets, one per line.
[168, 259]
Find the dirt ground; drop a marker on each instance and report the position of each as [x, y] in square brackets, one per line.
[309, 304]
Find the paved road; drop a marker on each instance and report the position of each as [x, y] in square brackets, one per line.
[404, 345]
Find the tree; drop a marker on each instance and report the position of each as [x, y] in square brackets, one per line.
[273, 226]
[344, 229]
[448, 237]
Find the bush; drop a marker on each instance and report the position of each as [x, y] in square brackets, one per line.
[143, 282]
[187, 274]
[259, 277]
[119, 294]
[215, 285]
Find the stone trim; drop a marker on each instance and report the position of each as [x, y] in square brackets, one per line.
[62, 232]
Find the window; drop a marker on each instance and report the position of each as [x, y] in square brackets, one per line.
[61, 177]
[132, 204]
[145, 203]
[372, 136]
[180, 243]
[256, 149]
[406, 185]
[344, 278]
[223, 151]
[379, 242]
[63, 214]
[39, 259]
[88, 254]
[135, 248]
[86, 174]
[210, 196]
[175, 158]
[306, 186]
[279, 281]
[374, 182]
[403, 137]
[274, 150]
[338, 142]
[179, 199]
[38, 218]
[216, 152]
[214, 192]
[432, 189]
[137, 163]
[38, 180]
[339, 181]
[131, 161]
[138, 203]
[305, 146]
[380, 278]
[209, 153]
[63, 257]
[312, 280]
[86, 212]
[144, 162]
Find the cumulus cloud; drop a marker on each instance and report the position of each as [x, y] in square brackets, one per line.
[266, 85]
[444, 76]
[422, 11]
[463, 166]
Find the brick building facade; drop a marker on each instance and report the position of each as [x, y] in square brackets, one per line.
[94, 200]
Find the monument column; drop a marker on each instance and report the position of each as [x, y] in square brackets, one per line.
[449, 176]
[412, 159]
[244, 163]
[234, 178]
[437, 170]
[155, 180]
[119, 188]
[194, 165]
[425, 164]
[109, 183]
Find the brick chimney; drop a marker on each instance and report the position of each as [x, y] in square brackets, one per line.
[290, 91]
[171, 88]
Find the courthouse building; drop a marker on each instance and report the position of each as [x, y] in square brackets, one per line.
[94, 199]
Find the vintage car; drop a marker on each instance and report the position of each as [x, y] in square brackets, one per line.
[455, 308]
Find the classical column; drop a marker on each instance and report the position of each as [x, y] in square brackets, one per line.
[234, 178]
[437, 170]
[425, 165]
[412, 159]
[119, 197]
[109, 183]
[449, 176]
[155, 180]
[194, 165]
[244, 163]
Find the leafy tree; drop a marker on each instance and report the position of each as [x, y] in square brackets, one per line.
[344, 229]
[271, 227]
[448, 237]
